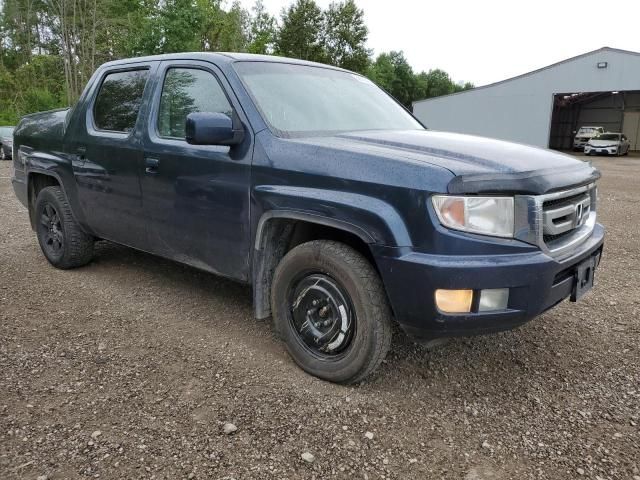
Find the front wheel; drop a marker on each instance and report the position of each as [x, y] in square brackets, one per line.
[62, 241]
[330, 308]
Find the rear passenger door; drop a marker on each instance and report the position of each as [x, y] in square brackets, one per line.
[107, 149]
[196, 196]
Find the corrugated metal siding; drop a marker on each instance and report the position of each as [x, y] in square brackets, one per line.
[520, 109]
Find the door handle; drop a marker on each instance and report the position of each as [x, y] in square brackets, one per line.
[151, 165]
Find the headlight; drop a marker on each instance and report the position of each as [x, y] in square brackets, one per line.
[483, 215]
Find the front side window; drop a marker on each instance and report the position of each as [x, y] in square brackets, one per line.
[298, 100]
[119, 99]
[185, 91]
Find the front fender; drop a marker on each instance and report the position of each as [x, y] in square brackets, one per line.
[371, 219]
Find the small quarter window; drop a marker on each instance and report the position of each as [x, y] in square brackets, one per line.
[188, 90]
[119, 99]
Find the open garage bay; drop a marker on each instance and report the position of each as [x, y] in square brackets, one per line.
[617, 112]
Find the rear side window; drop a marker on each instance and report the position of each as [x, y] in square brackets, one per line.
[118, 102]
[188, 90]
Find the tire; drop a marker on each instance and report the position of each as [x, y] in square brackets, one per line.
[354, 299]
[62, 241]
[3, 156]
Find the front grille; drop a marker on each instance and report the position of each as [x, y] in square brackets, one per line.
[550, 239]
[561, 216]
[558, 221]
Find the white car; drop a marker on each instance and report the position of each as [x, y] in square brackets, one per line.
[584, 134]
[608, 143]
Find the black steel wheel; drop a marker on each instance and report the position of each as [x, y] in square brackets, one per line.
[61, 239]
[331, 310]
[321, 315]
[50, 231]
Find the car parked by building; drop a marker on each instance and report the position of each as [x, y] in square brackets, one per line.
[319, 190]
[6, 143]
[584, 134]
[608, 143]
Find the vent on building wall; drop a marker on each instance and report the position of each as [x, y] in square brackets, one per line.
[602, 64]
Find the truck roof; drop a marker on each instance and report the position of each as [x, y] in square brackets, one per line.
[219, 57]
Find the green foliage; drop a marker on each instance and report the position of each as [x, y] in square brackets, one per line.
[336, 36]
[263, 29]
[177, 22]
[393, 73]
[50, 48]
[234, 30]
[345, 37]
[301, 32]
[32, 87]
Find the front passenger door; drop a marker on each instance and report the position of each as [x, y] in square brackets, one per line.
[196, 196]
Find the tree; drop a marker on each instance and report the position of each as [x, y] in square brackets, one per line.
[345, 36]
[262, 31]
[234, 31]
[393, 73]
[438, 83]
[50, 48]
[180, 21]
[300, 35]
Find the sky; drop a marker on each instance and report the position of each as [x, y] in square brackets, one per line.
[485, 41]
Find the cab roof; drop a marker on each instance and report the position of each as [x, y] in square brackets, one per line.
[218, 57]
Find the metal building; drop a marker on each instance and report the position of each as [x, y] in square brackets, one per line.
[545, 107]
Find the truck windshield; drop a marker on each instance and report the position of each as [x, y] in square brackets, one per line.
[298, 100]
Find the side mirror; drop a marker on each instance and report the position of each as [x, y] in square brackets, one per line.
[574, 132]
[213, 128]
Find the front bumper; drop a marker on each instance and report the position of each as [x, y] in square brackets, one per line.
[601, 150]
[535, 280]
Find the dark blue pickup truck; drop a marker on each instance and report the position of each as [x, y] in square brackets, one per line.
[314, 186]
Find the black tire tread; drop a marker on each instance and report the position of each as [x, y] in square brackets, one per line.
[78, 244]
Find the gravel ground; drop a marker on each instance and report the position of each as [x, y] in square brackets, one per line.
[132, 366]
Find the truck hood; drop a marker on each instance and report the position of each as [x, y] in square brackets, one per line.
[479, 164]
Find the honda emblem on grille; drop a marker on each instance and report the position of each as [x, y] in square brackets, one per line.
[579, 214]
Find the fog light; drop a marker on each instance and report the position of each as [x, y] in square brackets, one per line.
[493, 299]
[454, 301]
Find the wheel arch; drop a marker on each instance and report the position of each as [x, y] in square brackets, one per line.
[36, 181]
[279, 231]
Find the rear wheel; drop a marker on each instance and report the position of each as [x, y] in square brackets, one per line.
[3, 156]
[330, 308]
[62, 241]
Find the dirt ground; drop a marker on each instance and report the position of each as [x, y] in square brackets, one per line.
[131, 366]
